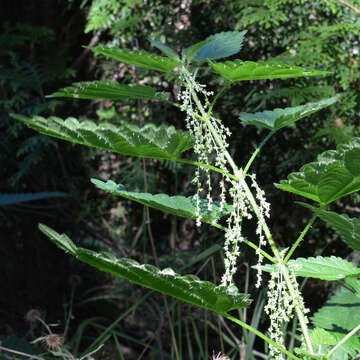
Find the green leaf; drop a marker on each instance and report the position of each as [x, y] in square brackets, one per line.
[279, 118]
[248, 70]
[167, 50]
[9, 199]
[107, 90]
[187, 288]
[331, 177]
[324, 340]
[150, 141]
[190, 51]
[320, 336]
[339, 316]
[138, 58]
[341, 313]
[175, 205]
[324, 268]
[216, 46]
[354, 285]
[348, 228]
[62, 241]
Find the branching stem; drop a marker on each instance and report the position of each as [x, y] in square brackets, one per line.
[256, 152]
[297, 242]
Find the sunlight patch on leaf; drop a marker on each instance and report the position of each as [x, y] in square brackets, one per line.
[279, 118]
[175, 205]
[332, 176]
[325, 268]
[149, 141]
[249, 70]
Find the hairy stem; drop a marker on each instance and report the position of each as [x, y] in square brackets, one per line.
[297, 242]
[256, 152]
[343, 340]
[225, 87]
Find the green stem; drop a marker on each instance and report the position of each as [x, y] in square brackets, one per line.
[297, 242]
[261, 335]
[343, 340]
[256, 152]
[220, 92]
[247, 242]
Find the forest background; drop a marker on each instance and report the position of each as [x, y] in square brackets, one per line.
[41, 51]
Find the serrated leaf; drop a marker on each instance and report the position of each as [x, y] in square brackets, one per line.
[106, 90]
[339, 316]
[216, 46]
[9, 199]
[328, 178]
[62, 241]
[342, 353]
[138, 58]
[167, 50]
[350, 348]
[320, 336]
[249, 70]
[324, 268]
[341, 313]
[279, 118]
[175, 205]
[150, 141]
[187, 288]
[354, 285]
[348, 228]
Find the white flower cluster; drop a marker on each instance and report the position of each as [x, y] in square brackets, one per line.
[264, 212]
[206, 147]
[280, 307]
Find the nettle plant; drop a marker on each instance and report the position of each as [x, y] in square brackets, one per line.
[332, 332]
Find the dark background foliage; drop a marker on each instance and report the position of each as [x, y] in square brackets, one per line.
[41, 50]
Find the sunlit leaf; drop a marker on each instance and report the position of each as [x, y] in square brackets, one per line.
[216, 46]
[332, 176]
[325, 268]
[175, 205]
[248, 70]
[320, 336]
[279, 118]
[138, 58]
[107, 90]
[187, 288]
[150, 141]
